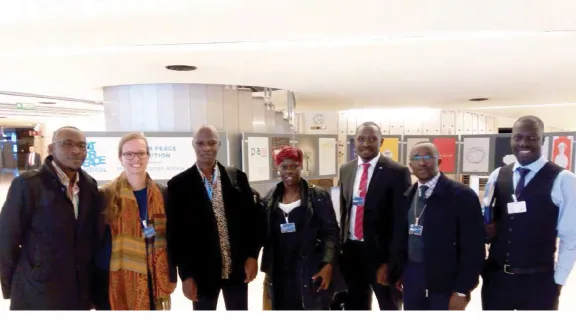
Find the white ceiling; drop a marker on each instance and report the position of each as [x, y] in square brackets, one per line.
[410, 53]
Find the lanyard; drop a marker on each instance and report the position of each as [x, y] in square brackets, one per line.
[145, 220]
[416, 215]
[210, 185]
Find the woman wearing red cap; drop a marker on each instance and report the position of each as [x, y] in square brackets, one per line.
[302, 239]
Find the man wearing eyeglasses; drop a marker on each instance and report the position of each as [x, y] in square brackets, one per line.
[49, 231]
[214, 229]
[443, 241]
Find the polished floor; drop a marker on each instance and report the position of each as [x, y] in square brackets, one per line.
[179, 302]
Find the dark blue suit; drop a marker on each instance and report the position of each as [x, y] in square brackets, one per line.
[454, 251]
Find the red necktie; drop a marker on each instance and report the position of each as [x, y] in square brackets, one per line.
[359, 221]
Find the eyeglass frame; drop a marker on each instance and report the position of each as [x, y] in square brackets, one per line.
[141, 155]
[425, 158]
[70, 144]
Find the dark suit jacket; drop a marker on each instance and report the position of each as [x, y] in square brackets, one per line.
[37, 162]
[384, 203]
[192, 234]
[46, 255]
[454, 235]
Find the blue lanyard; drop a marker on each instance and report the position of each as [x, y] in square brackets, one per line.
[210, 186]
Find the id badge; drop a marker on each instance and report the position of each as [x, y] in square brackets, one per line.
[287, 228]
[415, 229]
[149, 231]
[358, 201]
[517, 207]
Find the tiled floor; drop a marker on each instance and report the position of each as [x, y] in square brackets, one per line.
[179, 302]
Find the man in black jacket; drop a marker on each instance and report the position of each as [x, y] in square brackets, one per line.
[371, 198]
[214, 232]
[49, 231]
[443, 237]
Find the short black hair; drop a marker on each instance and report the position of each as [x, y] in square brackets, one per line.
[531, 118]
[370, 124]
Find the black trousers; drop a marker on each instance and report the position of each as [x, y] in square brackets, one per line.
[504, 291]
[235, 296]
[359, 274]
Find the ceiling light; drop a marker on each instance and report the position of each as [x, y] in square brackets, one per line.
[478, 99]
[526, 106]
[181, 67]
[47, 102]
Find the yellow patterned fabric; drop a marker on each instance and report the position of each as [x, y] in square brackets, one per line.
[221, 222]
[132, 259]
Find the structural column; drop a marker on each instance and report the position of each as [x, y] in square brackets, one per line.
[184, 108]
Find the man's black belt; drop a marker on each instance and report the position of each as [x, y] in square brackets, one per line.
[526, 271]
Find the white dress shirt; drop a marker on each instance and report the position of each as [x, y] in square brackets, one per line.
[356, 192]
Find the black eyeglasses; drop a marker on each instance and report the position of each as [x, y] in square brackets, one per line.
[68, 144]
[131, 155]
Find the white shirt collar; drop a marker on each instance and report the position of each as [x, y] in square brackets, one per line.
[371, 162]
[534, 166]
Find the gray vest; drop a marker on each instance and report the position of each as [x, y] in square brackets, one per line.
[416, 242]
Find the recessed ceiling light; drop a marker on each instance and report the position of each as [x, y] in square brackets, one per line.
[478, 99]
[47, 102]
[181, 67]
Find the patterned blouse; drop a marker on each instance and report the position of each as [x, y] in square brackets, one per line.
[221, 223]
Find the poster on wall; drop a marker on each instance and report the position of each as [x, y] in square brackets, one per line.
[503, 154]
[351, 150]
[169, 156]
[410, 143]
[327, 155]
[258, 159]
[389, 148]
[102, 162]
[308, 146]
[447, 151]
[546, 148]
[475, 154]
[277, 144]
[562, 151]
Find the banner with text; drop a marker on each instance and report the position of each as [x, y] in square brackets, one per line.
[168, 157]
[102, 161]
[258, 159]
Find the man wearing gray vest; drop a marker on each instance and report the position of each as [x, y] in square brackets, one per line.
[532, 203]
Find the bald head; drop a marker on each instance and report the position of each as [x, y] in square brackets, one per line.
[68, 149]
[64, 132]
[425, 161]
[527, 139]
[206, 145]
[206, 128]
[530, 120]
[426, 145]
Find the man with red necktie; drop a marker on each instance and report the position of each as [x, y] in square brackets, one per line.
[372, 189]
[32, 160]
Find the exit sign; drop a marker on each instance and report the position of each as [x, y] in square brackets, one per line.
[21, 105]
